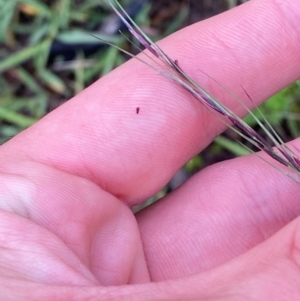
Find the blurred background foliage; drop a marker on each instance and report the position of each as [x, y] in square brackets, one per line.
[48, 54]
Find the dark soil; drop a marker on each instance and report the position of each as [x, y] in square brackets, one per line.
[163, 11]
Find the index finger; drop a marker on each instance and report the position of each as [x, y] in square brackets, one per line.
[99, 135]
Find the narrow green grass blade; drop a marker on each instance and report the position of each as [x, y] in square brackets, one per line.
[52, 81]
[16, 118]
[110, 60]
[35, 105]
[64, 7]
[23, 56]
[39, 33]
[232, 146]
[28, 80]
[7, 10]
[94, 70]
[79, 73]
[177, 21]
[76, 36]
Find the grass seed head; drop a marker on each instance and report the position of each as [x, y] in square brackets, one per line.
[171, 70]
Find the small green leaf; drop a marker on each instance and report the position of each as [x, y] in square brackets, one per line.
[194, 164]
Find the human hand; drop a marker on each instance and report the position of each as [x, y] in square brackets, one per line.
[68, 182]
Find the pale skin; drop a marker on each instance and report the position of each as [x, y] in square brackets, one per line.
[67, 183]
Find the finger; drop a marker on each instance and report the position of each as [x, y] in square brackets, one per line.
[220, 213]
[98, 134]
[54, 227]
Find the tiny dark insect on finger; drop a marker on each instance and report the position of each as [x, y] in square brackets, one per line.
[176, 63]
[137, 110]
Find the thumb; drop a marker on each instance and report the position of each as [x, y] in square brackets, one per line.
[270, 271]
